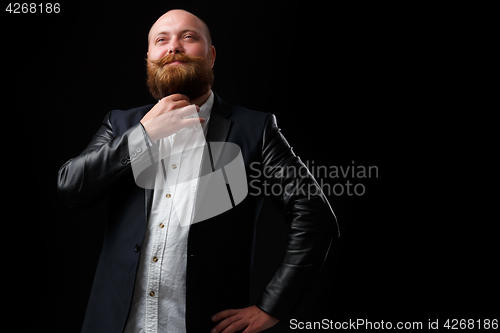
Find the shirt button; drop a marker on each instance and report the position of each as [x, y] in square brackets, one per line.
[137, 247]
[168, 196]
[174, 166]
[155, 259]
[162, 225]
[151, 293]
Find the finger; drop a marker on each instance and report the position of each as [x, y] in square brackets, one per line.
[189, 111]
[192, 122]
[249, 330]
[185, 111]
[235, 327]
[225, 324]
[224, 314]
[178, 105]
[178, 97]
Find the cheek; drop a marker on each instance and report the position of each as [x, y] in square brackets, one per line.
[196, 50]
[156, 53]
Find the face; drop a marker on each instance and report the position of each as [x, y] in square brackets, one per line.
[178, 31]
[180, 57]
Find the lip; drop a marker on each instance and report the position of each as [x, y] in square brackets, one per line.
[176, 62]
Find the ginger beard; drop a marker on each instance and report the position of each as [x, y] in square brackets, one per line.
[192, 77]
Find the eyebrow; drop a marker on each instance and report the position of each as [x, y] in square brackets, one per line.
[182, 32]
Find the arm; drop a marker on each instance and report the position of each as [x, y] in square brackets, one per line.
[312, 224]
[83, 180]
[312, 228]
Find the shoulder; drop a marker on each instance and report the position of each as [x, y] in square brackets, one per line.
[239, 115]
[121, 120]
[244, 122]
[139, 111]
[242, 113]
[253, 122]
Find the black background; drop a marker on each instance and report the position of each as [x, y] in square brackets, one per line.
[346, 83]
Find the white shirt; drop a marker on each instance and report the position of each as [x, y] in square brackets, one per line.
[159, 300]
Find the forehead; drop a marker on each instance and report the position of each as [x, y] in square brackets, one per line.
[176, 21]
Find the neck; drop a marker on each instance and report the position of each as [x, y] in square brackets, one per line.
[202, 99]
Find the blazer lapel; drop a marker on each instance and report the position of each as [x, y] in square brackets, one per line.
[218, 129]
[148, 196]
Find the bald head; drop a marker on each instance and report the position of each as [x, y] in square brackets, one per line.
[176, 17]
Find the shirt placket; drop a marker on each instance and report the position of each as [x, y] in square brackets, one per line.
[161, 234]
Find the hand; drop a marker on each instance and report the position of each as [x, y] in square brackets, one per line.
[166, 104]
[252, 319]
[167, 116]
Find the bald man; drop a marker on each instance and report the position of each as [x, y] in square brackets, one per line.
[163, 268]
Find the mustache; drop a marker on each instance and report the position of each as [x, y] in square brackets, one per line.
[169, 58]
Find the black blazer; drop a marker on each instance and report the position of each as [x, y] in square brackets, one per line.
[219, 249]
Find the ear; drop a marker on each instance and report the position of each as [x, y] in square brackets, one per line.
[212, 50]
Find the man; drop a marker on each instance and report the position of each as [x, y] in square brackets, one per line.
[155, 274]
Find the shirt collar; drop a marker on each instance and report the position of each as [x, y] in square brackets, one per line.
[206, 108]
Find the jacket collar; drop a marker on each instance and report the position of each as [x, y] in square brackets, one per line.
[218, 127]
[220, 107]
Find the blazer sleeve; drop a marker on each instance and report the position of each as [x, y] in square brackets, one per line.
[311, 221]
[85, 179]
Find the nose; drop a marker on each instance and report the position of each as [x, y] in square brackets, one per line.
[174, 46]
